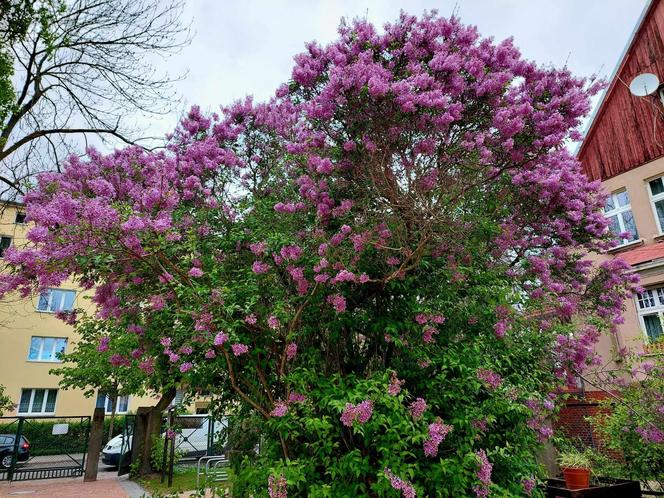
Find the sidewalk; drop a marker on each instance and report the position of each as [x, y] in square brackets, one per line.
[74, 488]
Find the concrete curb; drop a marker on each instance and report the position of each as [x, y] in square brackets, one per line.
[133, 489]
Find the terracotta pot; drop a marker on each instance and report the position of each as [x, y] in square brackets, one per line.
[576, 478]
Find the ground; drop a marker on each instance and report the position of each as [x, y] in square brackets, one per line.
[108, 485]
[184, 481]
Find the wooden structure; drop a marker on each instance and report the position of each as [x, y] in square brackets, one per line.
[608, 488]
[628, 131]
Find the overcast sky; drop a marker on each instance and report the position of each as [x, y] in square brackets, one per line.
[246, 47]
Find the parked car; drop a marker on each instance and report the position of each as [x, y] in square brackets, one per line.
[191, 440]
[7, 449]
[110, 455]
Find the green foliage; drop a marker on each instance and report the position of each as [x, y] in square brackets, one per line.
[43, 442]
[574, 459]
[184, 479]
[90, 370]
[631, 425]
[6, 402]
[157, 456]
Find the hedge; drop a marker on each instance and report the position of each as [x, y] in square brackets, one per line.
[42, 441]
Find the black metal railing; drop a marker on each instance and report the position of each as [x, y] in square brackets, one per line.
[33, 447]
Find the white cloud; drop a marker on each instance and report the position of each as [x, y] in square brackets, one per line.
[246, 47]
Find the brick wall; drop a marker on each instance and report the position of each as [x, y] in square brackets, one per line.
[572, 422]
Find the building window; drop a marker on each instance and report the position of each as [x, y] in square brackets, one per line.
[5, 242]
[46, 348]
[20, 218]
[650, 305]
[619, 213]
[656, 190]
[106, 402]
[37, 401]
[52, 300]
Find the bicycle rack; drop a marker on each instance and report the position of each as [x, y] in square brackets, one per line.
[215, 469]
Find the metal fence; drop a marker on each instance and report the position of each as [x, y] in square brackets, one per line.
[197, 435]
[42, 447]
[127, 432]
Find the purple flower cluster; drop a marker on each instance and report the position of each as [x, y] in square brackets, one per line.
[360, 413]
[394, 387]
[437, 433]
[490, 378]
[483, 474]
[280, 409]
[273, 322]
[417, 408]
[541, 413]
[277, 487]
[291, 351]
[338, 302]
[406, 488]
[240, 349]
[103, 344]
[528, 484]
[651, 434]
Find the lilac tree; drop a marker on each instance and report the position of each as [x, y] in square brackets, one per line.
[383, 268]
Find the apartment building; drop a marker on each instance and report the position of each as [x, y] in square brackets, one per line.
[624, 149]
[30, 338]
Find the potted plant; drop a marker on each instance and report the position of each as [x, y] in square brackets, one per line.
[576, 468]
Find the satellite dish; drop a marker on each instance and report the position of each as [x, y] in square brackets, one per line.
[644, 84]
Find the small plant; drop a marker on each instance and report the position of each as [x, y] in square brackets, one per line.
[574, 459]
[157, 457]
[575, 466]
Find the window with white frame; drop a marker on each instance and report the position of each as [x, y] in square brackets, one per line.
[46, 348]
[38, 401]
[656, 191]
[106, 402]
[650, 305]
[52, 300]
[618, 211]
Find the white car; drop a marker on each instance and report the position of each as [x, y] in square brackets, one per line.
[191, 440]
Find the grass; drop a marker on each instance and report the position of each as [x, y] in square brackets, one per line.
[184, 479]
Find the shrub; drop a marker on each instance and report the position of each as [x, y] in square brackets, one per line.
[631, 426]
[384, 265]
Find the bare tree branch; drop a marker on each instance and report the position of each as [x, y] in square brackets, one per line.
[92, 71]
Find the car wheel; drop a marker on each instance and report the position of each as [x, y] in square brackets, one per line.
[6, 461]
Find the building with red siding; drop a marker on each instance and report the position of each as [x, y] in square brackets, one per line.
[624, 149]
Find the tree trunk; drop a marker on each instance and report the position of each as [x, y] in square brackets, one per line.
[148, 428]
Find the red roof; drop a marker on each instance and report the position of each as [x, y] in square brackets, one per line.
[643, 254]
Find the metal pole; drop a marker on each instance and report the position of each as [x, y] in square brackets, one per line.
[17, 441]
[210, 436]
[170, 464]
[165, 454]
[87, 440]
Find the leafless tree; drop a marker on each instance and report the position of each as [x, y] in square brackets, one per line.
[88, 75]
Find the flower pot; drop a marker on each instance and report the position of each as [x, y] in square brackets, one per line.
[576, 478]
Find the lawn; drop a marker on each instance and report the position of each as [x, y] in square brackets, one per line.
[184, 479]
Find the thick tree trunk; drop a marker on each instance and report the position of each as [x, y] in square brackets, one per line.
[148, 428]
